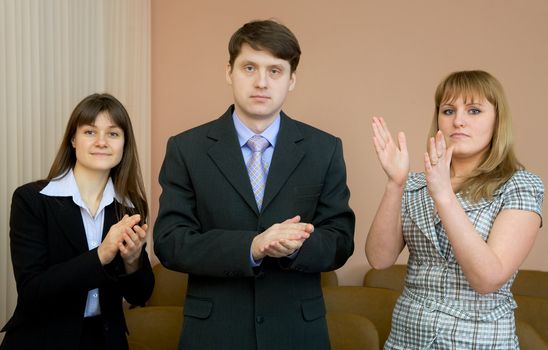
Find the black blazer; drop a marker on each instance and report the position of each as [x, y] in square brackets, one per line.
[208, 218]
[54, 270]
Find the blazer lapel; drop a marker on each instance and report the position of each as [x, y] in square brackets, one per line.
[110, 218]
[285, 159]
[69, 219]
[227, 155]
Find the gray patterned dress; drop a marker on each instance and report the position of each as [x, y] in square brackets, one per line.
[438, 309]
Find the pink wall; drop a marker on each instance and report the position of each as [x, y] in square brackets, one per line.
[360, 58]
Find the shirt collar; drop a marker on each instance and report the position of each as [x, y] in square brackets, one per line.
[66, 186]
[244, 133]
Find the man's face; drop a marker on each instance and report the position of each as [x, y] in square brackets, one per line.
[260, 83]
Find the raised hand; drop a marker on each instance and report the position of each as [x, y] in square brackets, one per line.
[437, 167]
[394, 158]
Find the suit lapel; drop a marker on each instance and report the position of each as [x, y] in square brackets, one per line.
[69, 220]
[227, 155]
[285, 159]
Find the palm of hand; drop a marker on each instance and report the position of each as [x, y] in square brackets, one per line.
[393, 157]
[395, 163]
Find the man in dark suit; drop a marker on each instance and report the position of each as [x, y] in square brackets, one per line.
[254, 206]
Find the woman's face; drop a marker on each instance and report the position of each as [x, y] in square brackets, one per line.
[468, 125]
[99, 147]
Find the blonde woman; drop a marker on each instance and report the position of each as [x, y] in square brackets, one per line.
[469, 221]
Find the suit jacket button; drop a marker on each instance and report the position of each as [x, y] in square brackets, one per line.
[259, 319]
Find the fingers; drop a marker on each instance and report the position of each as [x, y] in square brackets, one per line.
[382, 137]
[132, 242]
[292, 232]
[294, 225]
[384, 130]
[442, 140]
[440, 144]
[436, 148]
[291, 228]
[377, 145]
[294, 219]
[137, 235]
[402, 142]
[431, 152]
[274, 249]
[141, 231]
[291, 245]
[126, 237]
[133, 237]
[281, 248]
[131, 220]
[427, 163]
[380, 132]
[437, 151]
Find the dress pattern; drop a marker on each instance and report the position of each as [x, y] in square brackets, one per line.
[438, 309]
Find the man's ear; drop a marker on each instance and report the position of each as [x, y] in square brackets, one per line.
[228, 74]
[292, 81]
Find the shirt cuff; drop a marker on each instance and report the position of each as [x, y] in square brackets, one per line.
[252, 261]
[293, 255]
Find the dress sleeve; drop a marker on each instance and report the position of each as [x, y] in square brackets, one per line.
[524, 191]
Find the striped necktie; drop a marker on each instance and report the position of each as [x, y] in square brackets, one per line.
[255, 168]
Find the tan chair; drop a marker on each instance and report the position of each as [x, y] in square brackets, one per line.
[529, 339]
[531, 294]
[531, 283]
[375, 304]
[169, 288]
[350, 331]
[329, 279]
[533, 311]
[133, 345]
[156, 327]
[390, 278]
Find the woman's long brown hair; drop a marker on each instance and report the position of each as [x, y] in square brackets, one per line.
[126, 176]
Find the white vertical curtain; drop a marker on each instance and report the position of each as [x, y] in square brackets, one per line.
[52, 54]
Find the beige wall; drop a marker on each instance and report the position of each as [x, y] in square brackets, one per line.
[360, 58]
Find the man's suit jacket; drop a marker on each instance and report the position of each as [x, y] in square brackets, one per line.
[54, 271]
[208, 218]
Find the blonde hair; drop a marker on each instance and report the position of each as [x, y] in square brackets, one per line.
[500, 162]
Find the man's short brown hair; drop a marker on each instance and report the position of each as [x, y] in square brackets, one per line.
[266, 35]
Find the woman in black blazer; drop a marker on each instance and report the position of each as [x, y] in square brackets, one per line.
[77, 238]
